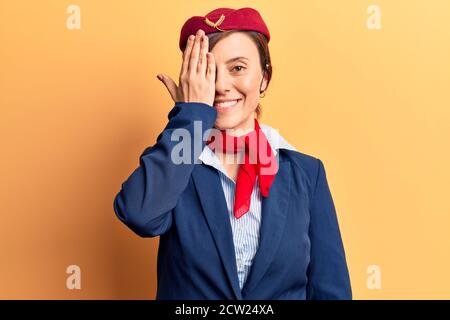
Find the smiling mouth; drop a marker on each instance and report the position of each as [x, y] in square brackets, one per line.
[226, 105]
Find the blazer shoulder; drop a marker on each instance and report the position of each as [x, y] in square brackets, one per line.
[306, 162]
[305, 165]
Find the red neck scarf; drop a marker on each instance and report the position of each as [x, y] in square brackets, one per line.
[258, 161]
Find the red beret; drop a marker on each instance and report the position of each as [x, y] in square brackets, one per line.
[222, 19]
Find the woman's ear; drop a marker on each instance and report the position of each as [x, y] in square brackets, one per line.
[264, 82]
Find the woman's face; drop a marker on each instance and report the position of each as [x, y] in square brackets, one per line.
[238, 76]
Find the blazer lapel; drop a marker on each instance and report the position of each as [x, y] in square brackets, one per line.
[273, 219]
[210, 193]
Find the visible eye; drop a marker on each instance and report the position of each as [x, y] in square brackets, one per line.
[242, 67]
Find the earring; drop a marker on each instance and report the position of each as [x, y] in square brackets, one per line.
[263, 94]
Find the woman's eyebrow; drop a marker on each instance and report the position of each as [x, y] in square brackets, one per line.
[235, 59]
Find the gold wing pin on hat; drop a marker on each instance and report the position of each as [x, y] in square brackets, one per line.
[216, 24]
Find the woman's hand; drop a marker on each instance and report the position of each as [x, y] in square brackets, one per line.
[198, 73]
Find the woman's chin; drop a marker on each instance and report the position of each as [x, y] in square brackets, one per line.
[223, 123]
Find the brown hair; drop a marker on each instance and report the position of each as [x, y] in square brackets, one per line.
[263, 49]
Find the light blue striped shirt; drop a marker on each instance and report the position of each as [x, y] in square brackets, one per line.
[245, 229]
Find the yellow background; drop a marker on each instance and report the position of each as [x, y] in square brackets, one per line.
[79, 106]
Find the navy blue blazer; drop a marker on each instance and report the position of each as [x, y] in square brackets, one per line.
[300, 253]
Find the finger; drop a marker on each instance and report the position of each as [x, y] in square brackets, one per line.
[202, 61]
[211, 68]
[193, 61]
[187, 54]
[170, 85]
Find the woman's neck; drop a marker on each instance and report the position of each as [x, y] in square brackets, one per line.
[241, 130]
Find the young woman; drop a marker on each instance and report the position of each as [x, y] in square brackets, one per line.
[262, 226]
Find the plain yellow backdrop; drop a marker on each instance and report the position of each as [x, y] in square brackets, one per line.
[79, 106]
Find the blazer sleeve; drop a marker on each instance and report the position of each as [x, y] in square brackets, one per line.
[328, 276]
[147, 198]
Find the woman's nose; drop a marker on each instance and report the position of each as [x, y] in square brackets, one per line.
[223, 82]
